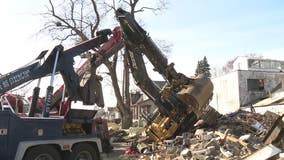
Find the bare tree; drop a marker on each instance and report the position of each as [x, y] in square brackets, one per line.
[254, 55]
[75, 20]
[78, 20]
[229, 64]
[135, 6]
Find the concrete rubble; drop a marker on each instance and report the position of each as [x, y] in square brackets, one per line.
[240, 135]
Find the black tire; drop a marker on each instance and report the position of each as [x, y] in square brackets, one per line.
[84, 151]
[46, 152]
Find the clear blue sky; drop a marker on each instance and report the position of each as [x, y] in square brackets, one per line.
[218, 29]
[221, 30]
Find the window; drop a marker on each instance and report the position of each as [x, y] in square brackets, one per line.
[255, 84]
[282, 65]
[276, 65]
[252, 63]
[265, 64]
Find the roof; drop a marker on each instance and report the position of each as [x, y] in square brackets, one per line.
[136, 97]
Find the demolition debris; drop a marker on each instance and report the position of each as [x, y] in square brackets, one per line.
[240, 135]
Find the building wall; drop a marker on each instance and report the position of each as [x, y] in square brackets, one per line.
[146, 106]
[226, 92]
[231, 91]
[113, 113]
[271, 80]
[241, 63]
[256, 64]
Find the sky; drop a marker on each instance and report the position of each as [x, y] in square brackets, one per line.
[218, 29]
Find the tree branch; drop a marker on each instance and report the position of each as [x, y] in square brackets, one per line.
[142, 9]
[94, 28]
[81, 15]
[114, 60]
[72, 13]
[126, 2]
[80, 34]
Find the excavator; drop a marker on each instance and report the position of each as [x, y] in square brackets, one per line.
[182, 101]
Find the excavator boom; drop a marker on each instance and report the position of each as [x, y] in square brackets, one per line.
[181, 102]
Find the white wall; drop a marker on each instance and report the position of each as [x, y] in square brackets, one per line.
[241, 63]
[226, 93]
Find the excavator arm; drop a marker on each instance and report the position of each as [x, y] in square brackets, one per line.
[135, 38]
[181, 102]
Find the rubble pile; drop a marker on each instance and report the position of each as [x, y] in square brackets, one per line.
[118, 135]
[239, 135]
[243, 122]
[126, 135]
[208, 145]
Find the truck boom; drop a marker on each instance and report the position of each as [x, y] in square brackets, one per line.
[105, 51]
[36, 69]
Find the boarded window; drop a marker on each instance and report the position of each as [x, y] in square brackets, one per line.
[255, 84]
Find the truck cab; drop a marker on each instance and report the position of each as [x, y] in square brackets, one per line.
[68, 137]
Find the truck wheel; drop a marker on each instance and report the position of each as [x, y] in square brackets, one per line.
[44, 152]
[84, 151]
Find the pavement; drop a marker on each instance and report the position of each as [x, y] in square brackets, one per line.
[118, 150]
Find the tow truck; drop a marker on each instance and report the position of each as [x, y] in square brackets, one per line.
[72, 134]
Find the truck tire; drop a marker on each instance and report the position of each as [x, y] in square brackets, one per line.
[46, 152]
[84, 151]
